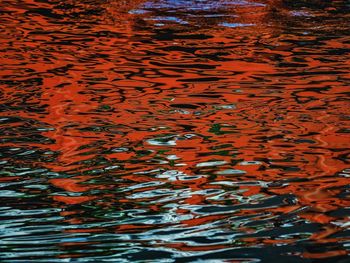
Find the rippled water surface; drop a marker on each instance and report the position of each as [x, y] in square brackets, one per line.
[174, 131]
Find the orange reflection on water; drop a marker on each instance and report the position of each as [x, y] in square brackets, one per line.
[228, 119]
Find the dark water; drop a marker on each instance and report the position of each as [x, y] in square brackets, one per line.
[174, 131]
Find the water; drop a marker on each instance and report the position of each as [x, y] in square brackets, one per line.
[174, 131]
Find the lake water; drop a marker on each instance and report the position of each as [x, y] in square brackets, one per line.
[174, 131]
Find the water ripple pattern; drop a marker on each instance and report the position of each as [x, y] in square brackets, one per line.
[174, 131]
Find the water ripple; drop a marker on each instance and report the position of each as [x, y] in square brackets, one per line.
[174, 131]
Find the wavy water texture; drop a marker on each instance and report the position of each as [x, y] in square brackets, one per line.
[174, 131]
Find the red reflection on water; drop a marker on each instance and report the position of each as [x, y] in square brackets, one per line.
[256, 93]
